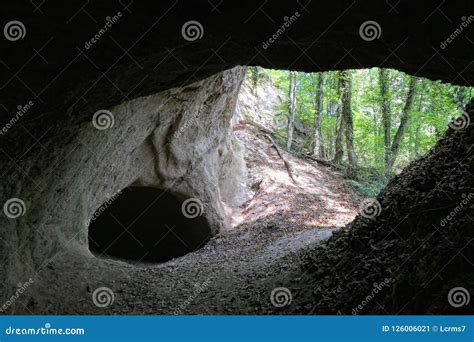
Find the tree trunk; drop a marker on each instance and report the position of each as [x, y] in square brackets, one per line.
[386, 115]
[329, 153]
[416, 153]
[318, 112]
[338, 148]
[403, 121]
[292, 109]
[346, 113]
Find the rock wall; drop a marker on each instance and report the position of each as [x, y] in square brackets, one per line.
[146, 49]
[263, 105]
[178, 140]
[405, 252]
[63, 168]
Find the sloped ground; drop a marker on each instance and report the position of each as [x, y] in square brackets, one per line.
[318, 197]
[405, 260]
[281, 221]
[235, 271]
[409, 258]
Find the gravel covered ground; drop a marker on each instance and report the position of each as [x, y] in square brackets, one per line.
[277, 260]
[236, 271]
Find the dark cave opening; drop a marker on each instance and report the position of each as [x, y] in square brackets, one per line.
[168, 98]
[149, 225]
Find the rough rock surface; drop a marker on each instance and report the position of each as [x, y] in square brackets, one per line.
[316, 197]
[407, 258]
[144, 53]
[225, 275]
[177, 140]
[262, 105]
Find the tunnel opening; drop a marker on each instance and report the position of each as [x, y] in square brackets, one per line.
[421, 225]
[387, 111]
[144, 224]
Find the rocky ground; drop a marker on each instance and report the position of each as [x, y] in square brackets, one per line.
[402, 260]
[295, 247]
[236, 271]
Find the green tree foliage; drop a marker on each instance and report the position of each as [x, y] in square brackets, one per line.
[256, 75]
[396, 118]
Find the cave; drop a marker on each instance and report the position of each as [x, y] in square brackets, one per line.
[146, 224]
[87, 112]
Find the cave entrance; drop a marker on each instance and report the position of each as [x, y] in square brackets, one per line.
[368, 123]
[146, 224]
[319, 147]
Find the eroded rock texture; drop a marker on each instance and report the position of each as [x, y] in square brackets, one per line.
[178, 140]
[144, 51]
[406, 255]
[63, 168]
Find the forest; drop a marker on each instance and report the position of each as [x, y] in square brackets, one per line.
[368, 123]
